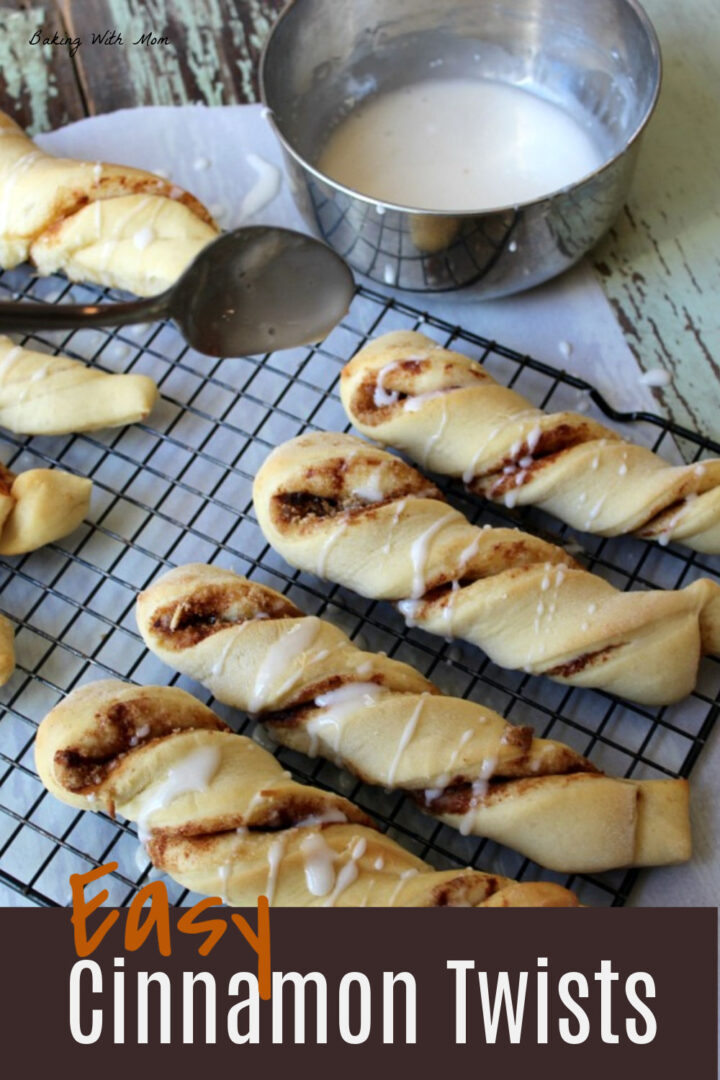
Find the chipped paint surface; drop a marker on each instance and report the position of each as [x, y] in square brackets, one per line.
[210, 30]
[660, 266]
[25, 69]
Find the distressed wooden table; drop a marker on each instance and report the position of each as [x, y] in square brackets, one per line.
[660, 264]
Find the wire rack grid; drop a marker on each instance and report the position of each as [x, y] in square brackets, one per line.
[178, 489]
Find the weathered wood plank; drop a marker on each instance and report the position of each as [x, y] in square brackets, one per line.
[38, 84]
[660, 266]
[211, 56]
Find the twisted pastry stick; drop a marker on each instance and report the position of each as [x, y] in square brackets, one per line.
[7, 650]
[108, 224]
[54, 395]
[337, 507]
[38, 507]
[447, 413]
[219, 814]
[318, 693]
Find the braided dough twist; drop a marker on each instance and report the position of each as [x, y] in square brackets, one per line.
[7, 650]
[447, 413]
[337, 507]
[54, 395]
[318, 693]
[38, 507]
[219, 814]
[108, 224]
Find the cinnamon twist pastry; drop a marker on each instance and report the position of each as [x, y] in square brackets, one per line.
[447, 413]
[108, 224]
[54, 395]
[221, 816]
[318, 693]
[7, 650]
[337, 507]
[38, 507]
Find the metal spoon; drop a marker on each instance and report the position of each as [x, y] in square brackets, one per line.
[252, 290]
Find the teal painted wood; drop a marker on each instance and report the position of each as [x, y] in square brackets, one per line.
[660, 265]
[211, 55]
[38, 84]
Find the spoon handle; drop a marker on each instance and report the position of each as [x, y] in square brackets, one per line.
[24, 317]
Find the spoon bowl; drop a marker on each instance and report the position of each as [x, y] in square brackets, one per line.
[253, 290]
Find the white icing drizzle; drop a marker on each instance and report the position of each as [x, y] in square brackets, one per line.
[437, 434]
[416, 402]
[265, 188]
[409, 610]
[143, 237]
[280, 655]
[665, 536]
[193, 773]
[371, 489]
[401, 881]
[319, 863]
[275, 857]
[381, 396]
[140, 733]
[109, 246]
[334, 535]
[419, 553]
[406, 737]
[532, 439]
[259, 795]
[443, 780]
[449, 609]
[469, 473]
[595, 510]
[397, 514]
[338, 705]
[13, 357]
[42, 372]
[348, 873]
[479, 791]
[331, 816]
[224, 875]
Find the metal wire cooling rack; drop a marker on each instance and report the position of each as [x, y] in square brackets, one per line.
[179, 489]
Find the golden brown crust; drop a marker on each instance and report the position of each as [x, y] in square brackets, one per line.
[447, 413]
[218, 813]
[525, 602]
[318, 693]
